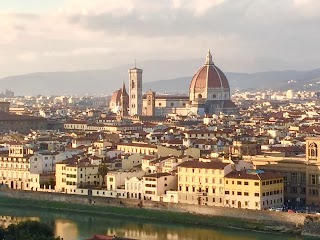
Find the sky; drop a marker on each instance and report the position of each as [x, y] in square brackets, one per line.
[243, 35]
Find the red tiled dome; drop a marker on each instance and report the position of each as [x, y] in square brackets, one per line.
[116, 96]
[210, 74]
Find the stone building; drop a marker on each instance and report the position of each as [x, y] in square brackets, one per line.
[19, 123]
[209, 93]
[119, 102]
[135, 91]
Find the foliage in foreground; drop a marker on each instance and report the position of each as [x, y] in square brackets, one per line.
[29, 230]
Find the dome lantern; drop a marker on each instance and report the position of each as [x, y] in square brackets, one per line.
[209, 58]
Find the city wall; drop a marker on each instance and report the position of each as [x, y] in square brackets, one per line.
[273, 221]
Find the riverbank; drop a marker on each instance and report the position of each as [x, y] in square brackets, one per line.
[263, 222]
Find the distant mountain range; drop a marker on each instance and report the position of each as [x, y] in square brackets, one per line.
[107, 81]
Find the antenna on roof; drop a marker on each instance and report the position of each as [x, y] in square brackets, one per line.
[135, 63]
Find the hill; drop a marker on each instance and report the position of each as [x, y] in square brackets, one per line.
[107, 81]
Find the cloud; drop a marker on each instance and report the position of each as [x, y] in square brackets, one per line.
[27, 56]
[101, 33]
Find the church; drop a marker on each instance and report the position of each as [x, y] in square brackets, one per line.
[209, 94]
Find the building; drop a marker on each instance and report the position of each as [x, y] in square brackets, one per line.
[209, 93]
[135, 92]
[119, 102]
[202, 182]
[20, 123]
[253, 189]
[157, 184]
[74, 174]
[4, 106]
[15, 166]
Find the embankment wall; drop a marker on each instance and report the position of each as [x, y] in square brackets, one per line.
[303, 223]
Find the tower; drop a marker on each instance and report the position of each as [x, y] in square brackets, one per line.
[135, 91]
[150, 109]
[124, 101]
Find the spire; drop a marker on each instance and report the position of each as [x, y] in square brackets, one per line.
[124, 91]
[209, 58]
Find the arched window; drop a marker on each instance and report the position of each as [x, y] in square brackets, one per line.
[313, 150]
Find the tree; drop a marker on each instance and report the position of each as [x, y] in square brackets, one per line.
[103, 171]
[29, 230]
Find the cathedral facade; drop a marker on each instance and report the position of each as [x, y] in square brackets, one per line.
[209, 93]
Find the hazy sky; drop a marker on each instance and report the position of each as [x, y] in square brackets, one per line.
[243, 35]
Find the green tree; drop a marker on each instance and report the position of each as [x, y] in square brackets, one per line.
[29, 230]
[103, 171]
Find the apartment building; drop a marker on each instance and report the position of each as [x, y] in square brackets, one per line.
[202, 182]
[15, 166]
[253, 189]
[157, 184]
[74, 174]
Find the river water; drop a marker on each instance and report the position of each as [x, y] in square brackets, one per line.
[78, 226]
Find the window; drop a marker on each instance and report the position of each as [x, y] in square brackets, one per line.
[313, 179]
[256, 183]
[313, 192]
[246, 194]
[238, 182]
[239, 193]
[187, 189]
[227, 192]
[303, 177]
[246, 183]
[313, 150]
[256, 194]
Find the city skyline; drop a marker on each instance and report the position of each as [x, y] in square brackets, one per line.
[78, 35]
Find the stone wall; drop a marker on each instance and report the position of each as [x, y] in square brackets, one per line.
[283, 217]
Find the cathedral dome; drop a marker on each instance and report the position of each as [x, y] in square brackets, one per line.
[209, 76]
[116, 96]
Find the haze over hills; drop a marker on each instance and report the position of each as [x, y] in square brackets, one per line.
[160, 76]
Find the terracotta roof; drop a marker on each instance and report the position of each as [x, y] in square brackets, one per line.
[254, 175]
[211, 75]
[4, 116]
[157, 175]
[208, 165]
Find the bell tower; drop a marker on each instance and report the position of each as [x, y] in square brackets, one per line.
[135, 91]
[150, 109]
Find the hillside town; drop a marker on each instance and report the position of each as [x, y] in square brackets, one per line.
[252, 150]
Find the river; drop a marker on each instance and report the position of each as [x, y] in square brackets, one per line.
[77, 226]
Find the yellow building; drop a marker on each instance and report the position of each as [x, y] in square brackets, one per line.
[301, 174]
[70, 176]
[253, 189]
[202, 182]
[313, 170]
[141, 148]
